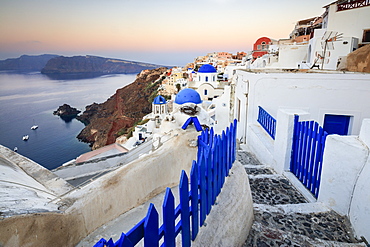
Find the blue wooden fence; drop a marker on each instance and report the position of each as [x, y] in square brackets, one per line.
[216, 154]
[267, 121]
[307, 153]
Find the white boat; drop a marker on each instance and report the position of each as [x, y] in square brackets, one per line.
[25, 138]
[15, 149]
[34, 127]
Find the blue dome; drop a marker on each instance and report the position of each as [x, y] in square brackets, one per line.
[188, 95]
[207, 68]
[159, 100]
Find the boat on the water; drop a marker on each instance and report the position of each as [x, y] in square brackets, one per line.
[15, 149]
[34, 127]
[25, 138]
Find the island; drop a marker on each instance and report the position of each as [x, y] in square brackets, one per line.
[66, 112]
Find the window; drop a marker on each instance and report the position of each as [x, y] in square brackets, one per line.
[206, 78]
[205, 92]
[366, 37]
[336, 124]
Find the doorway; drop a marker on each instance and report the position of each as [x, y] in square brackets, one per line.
[336, 124]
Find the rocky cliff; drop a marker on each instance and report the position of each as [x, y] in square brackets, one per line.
[93, 64]
[105, 122]
[26, 63]
[359, 60]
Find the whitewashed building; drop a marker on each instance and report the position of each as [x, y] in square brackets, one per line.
[345, 27]
[206, 83]
[336, 101]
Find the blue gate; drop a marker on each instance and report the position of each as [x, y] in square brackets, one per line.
[307, 153]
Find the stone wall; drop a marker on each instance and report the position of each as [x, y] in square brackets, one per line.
[231, 218]
[84, 210]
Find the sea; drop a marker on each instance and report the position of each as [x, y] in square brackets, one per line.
[30, 98]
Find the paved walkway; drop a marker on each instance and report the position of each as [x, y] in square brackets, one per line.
[126, 221]
[283, 217]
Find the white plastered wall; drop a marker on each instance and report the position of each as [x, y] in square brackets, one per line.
[290, 56]
[345, 178]
[349, 22]
[316, 93]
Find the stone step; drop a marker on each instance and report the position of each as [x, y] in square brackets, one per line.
[274, 190]
[264, 236]
[246, 158]
[283, 217]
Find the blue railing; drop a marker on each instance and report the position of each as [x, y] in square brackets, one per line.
[216, 154]
[307, 153]
[267, 121]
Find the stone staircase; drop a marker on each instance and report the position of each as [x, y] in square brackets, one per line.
[283, 217]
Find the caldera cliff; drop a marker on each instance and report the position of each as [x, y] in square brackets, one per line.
[106, 121]
[93, 64]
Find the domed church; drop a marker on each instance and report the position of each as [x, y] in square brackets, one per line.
[206, 83]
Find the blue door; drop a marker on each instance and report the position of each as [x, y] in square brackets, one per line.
[336, 124]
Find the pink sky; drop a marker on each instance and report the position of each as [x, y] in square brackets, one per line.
[165, 32]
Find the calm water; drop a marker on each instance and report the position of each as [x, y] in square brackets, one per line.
[30, 98]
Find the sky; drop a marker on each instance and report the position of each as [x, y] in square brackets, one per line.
[165, 32]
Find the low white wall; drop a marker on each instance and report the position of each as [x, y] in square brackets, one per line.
[344, 156]
[260, 144]
[231, 218]
[105, 198]
[345, 178]
[360, 205]
[359, 213]
[284, 138]
[108, 197]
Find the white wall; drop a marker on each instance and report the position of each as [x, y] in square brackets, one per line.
[345, 178]
[344, 156]
[360, 206]
[316, 93]
[290, 55]
[212, 77]
[222, 111]
[210, 91]
[241, 103]
[349, 22]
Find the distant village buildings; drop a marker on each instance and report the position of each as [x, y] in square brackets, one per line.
[321, 42]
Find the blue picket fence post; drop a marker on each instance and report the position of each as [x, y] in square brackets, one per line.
[202, 189]
[216, 154]
[185, 209]
[124, 241]
[194, 200]
[151, 223]
[169, 218]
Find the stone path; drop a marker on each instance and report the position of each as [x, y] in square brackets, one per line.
[283, 217]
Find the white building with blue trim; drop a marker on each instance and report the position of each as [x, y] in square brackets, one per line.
[206, 83]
